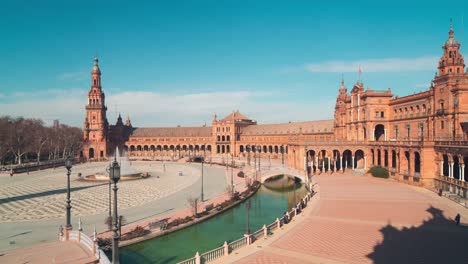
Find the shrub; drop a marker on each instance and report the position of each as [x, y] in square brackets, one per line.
[379, 172]
[136, 232]
[104, 243]
[208, 207]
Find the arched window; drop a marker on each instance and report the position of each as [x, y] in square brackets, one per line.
[450, 54]
[95, 82]
[228, 138]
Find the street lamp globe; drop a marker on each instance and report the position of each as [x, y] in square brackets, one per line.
[114, 171]
[69, 162]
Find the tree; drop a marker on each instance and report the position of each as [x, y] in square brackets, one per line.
[40, 137]
[20, 138]
[193, 204]
[4, 128]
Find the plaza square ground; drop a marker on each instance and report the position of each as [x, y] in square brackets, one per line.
[32, 206]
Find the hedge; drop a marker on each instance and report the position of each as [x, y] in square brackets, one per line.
[379, 172]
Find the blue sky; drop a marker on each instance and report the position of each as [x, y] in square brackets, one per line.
[168, 63]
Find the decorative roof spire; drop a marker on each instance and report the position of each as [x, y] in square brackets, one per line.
[451, 40]
[96, 66]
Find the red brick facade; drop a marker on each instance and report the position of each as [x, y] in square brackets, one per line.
[421, 138]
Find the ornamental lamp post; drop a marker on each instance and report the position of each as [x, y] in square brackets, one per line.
[114, 175]
[232, 178]
[248, 154]
[68, 166]
[282, 155]
[247, 206]
[202, 195]
[259, 148]
[306, 165]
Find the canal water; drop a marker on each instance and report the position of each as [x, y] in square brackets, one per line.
[266, 206]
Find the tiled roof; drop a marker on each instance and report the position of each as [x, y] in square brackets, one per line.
[172, 132]
[236, 115]
[290, 128]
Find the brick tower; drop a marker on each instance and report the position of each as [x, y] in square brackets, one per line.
[96, 126]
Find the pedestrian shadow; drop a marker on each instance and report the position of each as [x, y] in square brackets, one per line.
[46, 193]
[437, 240]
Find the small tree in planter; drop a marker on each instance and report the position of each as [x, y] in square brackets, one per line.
[193, 204]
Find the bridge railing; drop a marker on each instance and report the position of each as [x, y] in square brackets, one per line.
[265, 231]
[90, 244]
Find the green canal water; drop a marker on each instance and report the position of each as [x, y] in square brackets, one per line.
[266, 206]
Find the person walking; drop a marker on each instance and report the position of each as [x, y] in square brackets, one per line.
[457, 219]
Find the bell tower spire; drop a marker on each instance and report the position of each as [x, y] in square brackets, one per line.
[96, 126]
[452, 61]
[96, 74]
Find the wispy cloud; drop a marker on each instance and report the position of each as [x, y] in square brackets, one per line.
[425, 63]
[72, 76]
[163, 109]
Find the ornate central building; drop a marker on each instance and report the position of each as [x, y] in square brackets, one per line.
[421, 138]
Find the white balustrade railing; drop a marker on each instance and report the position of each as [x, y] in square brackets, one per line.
[188, 261]
[257, 234]
[235, 245]
[213, 254]
[90, 245]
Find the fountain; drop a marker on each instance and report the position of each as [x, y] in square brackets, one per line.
[127, 172]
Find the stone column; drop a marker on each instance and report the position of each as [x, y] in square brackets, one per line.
[385, 134]
[328, 163]
[451, 170]
[442, 168]
[334, 164]
[352, 160]
[373, 134]
[462, 172]
[365, 162]
[323, 165]
[345, 164]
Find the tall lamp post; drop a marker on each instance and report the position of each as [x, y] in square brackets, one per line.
[247, 206]
[68, 166]
[232, 178]
[259, 148]
[254, 149]
[114, 175]
[202, 195]
[282, 155]
[306, 164]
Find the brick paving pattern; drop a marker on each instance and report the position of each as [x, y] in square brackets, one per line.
[360, 219]
[41, 195]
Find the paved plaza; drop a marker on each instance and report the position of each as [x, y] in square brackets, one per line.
[33, 206]
[366, 220]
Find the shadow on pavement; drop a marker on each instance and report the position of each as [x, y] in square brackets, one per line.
[46, 193]
[437, 240]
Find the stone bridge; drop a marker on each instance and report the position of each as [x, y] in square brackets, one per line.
[278, 171]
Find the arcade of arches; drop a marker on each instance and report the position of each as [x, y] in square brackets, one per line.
[421, 138]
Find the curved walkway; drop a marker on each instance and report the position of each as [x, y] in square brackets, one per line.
[142, 203]
[365, 220]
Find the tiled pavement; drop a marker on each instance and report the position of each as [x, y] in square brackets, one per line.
[55, 252]
[41, 195]
[364, 220]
